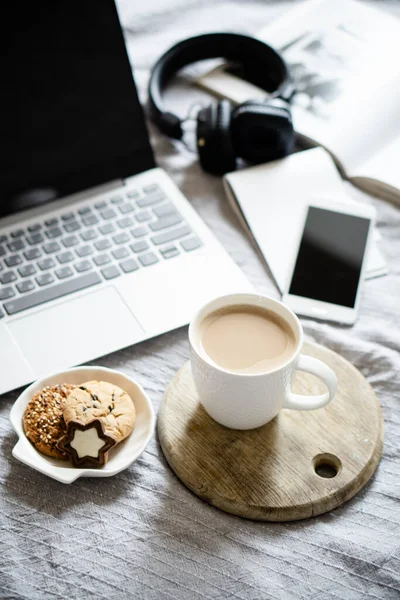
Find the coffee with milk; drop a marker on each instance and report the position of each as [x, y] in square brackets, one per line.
[247, 339]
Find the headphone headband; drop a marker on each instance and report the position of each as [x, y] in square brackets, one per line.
[265, 67]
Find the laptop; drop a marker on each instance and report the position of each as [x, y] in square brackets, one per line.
[98, 248]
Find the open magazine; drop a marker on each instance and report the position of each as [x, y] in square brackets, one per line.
[343, 57]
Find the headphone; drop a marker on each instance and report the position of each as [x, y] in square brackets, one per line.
[254, 131]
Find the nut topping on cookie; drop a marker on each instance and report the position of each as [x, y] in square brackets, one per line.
[43, 419]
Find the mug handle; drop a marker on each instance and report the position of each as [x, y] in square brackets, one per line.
[321, 370]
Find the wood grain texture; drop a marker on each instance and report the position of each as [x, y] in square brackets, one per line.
[269, 473]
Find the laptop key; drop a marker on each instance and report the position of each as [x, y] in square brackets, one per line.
[121, 238]
[139, 232]
[25, 286]
[88, 235]
[68, 216]
[3, 238]
[13, 260]
[2, 251]
[90, 220]
[72, 240]
[116, 200]
[63, 272]
[101, 204]
[108, 214]
[129, 265]
[107, 228]
[35, 227]
[53, 233]
[84, 211]
[16, 245]
[169, 251]
[65, 257]
[171, 235]
[32, 254]
[51, 293]
[51, 222]
[27, 270]
[8, 277]
[143, 216]
[102, 244]
[45, 279]
[84, 250]
[151, 199]
[124, 223]
[83, 265]
[17, 233]
[35, 238]
[6, 293]
[120, 253]
[139, 246]
[46, 263]
[50, 247]
[110, 272]
[132, 194]
[191, 244]
[72, 226]
[153, 187]
[164, 210]
[165, 222]
[126, 208]
[101, 259]
[148, 259]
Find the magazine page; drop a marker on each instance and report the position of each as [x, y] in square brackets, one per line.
[384, 164]
[341, 55]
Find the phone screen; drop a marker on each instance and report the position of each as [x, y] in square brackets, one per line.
[330, 257]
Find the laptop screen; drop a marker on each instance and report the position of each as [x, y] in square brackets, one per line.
[70, 117]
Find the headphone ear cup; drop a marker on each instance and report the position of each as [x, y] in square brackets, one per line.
[262, 132]
[214, 139]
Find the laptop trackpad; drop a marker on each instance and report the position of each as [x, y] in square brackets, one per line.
[76, 330]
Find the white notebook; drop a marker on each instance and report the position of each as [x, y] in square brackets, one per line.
[270, 199]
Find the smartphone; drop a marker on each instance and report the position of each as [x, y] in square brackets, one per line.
[328, 267]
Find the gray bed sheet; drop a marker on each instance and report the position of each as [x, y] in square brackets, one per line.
[142, 534]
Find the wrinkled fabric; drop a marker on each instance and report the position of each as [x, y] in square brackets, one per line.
[142, 534]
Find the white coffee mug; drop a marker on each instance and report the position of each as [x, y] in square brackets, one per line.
[247, 400]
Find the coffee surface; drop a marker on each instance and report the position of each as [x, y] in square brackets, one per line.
[247, 339]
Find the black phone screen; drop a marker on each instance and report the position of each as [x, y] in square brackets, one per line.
[330, 257]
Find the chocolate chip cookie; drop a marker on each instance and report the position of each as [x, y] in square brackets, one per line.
[98, 415]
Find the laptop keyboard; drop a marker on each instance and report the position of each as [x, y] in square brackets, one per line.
[79, 248]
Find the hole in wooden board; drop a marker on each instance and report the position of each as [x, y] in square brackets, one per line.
[326, 465]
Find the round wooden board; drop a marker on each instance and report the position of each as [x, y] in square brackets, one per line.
[269, 473]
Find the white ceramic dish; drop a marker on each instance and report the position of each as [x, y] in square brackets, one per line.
[120, 457]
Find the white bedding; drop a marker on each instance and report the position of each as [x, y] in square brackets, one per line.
[142, 534]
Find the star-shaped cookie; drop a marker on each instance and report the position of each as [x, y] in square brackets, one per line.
[86, 445]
